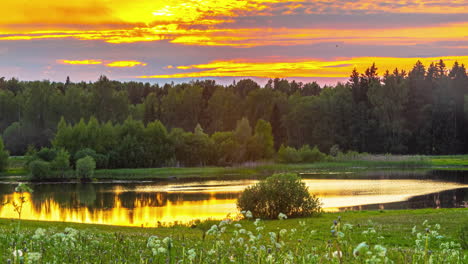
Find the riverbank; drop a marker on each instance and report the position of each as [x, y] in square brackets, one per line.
[381, 162]
[202, 243]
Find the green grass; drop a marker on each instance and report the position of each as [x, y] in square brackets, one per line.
[16, 167]
[353, 164]
[450, 161]
[302, 238]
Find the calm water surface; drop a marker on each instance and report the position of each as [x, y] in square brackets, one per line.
[154, 203]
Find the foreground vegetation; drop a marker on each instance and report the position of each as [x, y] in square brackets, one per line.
[18, 167]
[406, 236]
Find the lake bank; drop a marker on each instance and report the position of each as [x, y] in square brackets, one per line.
[304, 236]
[381, 162]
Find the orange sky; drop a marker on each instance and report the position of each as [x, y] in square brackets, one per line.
[224, 38]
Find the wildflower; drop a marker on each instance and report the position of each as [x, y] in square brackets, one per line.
[167, 240]
[231, 258]
[340, 234]
[191, 254]
[380, 250]
[361, 248]
[347, 226]
[248, 214]
[302, 223]
[282, 216]
[18, 253]
[211, 252]
[242, 231]
[33, 257]
[413, 230]
[260, 228]
[153, 242]
[337, 254]
[39, 233]
[269, 259]
[257, 222]
[283, 232]
[238, 225]
[162, 250]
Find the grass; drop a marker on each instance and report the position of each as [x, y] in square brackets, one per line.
[307, 240]
[345, 163]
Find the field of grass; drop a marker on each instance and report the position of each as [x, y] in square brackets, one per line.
[359, 163]
[439, 236]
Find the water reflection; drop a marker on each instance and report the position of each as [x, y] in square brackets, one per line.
[152, 204]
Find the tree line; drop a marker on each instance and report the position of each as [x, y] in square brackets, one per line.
[423, 111]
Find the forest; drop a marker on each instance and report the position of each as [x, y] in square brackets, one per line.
[133, 124]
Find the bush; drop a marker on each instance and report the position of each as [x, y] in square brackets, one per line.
[85, 167]
[3, 156]
[85, 152]
[311, 155]
[280, 193]
[288, 155]
[102, 161]
[46, 154]
[335, 150]
[40, 169]
[61, 162]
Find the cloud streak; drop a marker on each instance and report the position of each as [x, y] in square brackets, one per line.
[284, 67]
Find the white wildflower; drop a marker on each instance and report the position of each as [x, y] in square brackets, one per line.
[248, 214]
[337, 254]
[17, 253]
[282, 216]
[361, 248]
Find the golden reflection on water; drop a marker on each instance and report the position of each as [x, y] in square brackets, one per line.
[153, 204]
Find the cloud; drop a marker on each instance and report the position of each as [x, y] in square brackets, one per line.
[125, 64]
[112, 64]
[338, 67]
[223, 23]
[80, 62]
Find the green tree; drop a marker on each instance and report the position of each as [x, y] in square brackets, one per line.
[61, 162]
[40, 169]
[3, 156]
[85, 167]
[261, 145]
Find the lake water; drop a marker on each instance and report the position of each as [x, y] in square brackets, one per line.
[154, 203]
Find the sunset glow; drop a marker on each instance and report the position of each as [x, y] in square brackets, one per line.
[223, 38]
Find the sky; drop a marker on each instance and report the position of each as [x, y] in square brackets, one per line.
[225, 40]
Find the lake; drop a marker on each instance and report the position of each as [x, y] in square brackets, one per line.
[151, 203]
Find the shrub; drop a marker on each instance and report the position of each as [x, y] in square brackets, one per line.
[288, 155]
[85, 152]
[61, 162]
[85, 167]
[102, 161]
[40, 169]
[46, 154]
[311, 155]
[335, 150]
[280, 193]
[3, 156]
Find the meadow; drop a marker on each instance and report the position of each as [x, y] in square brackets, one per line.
[405, 236]
[358, 162]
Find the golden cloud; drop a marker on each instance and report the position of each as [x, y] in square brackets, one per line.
[119, 64]
[195, 22]
[126, 64]
[339, 67]
[80, 62]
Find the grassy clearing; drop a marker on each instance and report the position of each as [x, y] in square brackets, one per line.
[387, 234]
[345, 163]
